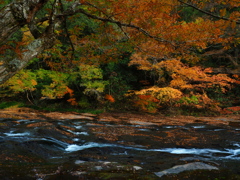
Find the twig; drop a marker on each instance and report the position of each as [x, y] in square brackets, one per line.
[208, 13]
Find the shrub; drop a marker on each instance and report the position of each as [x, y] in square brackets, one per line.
[153, 98]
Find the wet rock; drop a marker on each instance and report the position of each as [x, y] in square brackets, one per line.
[141, 123]
[64, 146]
[204, 159]
[77, 162]
[90, 166]
[78, 173]
[137, 168]
[194, 159]
[186, 167]
[98, 168]
[89, 114]
[75, 116]
[235, 124]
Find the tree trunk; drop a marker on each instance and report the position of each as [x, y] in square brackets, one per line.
[12, 18]
[23, 12]
[16, 15]
[10, 68]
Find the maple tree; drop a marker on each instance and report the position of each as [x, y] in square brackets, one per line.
[70, 36]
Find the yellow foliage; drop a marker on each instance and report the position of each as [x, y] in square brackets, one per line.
[178, 82]
[34, 82]
[166, 95]
[27, 36]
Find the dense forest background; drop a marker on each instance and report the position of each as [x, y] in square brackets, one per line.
[178, 57]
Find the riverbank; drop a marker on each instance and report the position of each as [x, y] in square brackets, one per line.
[120, 117]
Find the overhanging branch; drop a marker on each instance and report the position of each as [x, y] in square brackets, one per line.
[208, 13]
[74, 10]
[123, 25]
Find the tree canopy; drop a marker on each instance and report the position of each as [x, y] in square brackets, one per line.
[175, 41]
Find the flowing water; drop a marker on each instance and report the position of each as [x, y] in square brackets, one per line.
[97, 149]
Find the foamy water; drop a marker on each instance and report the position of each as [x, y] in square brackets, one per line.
[75, 147]
[226, 153]
[12, 134]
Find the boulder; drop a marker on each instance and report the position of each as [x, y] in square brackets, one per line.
[186, 167]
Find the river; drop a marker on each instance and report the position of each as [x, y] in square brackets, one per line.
[92, 147]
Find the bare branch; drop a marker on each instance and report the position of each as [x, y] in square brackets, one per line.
[208, 13]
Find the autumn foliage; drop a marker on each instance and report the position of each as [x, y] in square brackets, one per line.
[149, 54]
[109, 98]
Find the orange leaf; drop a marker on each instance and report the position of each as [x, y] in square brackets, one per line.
[109, 98]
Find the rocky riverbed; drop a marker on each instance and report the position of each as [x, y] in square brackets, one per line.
[54, 145]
